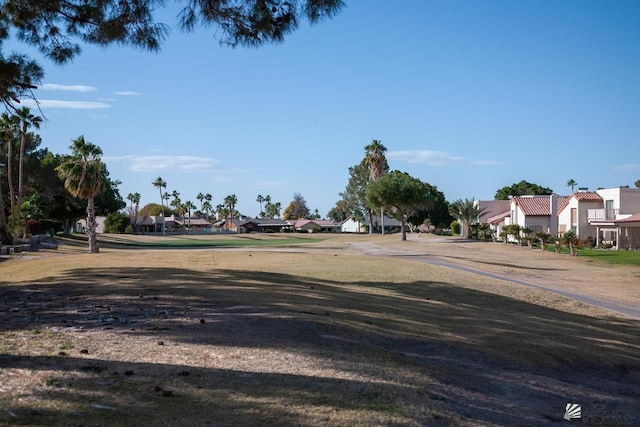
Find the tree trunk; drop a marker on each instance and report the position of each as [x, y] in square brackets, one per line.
[3, 218]
[382, 219]
[12, 195]
[403, 229]
[91, 226]
[20, 184]
[370, 221]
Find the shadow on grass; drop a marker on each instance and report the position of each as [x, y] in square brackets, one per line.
[422, 351]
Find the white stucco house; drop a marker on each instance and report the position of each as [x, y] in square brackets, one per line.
[617, 220]
[609, 216]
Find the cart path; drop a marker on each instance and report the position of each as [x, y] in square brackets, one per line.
[378, 250]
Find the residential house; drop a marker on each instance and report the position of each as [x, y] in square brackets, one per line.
[352, 226]
[191, 223]
[573, 215]
[491, 208]
[539, 213]
[617, 220]
[610, 216]
[81, 225]
[315, 226]
[260, 225]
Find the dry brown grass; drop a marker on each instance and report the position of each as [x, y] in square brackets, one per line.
[308, 335]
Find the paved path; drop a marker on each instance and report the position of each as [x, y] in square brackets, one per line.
[377, 250]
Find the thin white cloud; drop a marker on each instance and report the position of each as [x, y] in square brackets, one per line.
[67, 105]
[428, 157]
[437, 158]
[628, 167]
[126, 93]
[70, 88]
[168, 163]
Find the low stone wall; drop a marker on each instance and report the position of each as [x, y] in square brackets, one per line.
[29, 244]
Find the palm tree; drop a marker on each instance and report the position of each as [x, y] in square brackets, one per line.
[543, 238]
[159, 183]
[260, 199]
[83, 173]
[571, 238]
[134, 198]
[527, 236]
[571, 183]
[177, 203]
[200, 197]
[188, 205]
[206, 206]
[377, 162]
[231, 201]
[10, 127]
[467, 212]
[26, 120]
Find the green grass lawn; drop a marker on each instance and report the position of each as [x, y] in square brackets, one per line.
[612, 257]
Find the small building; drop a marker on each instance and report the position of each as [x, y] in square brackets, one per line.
[351, 225]
[315, 226]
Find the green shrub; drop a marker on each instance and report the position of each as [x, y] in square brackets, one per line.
[455, 227]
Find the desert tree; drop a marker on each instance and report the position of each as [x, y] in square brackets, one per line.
[297, 208]
[83, 174]
[401, 193]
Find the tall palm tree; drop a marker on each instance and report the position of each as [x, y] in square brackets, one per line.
[207, 204]
[134, 198]
[159, 183]
[260, 199]
[83, 174]
[200, 197]
[571, 183]
[26, 121]
[10, 128]
[467, 212]
[230, 201]
[188, 205]
[377, 162]
[177, 203]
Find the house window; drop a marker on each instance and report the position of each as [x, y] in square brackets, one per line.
[574, 217]
[608, 205]
[562, 228]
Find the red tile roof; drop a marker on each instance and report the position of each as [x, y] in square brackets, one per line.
[587, 196]
[539, 205]
[632, 218]
[582, 196]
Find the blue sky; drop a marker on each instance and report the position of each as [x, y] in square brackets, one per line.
[469, 96]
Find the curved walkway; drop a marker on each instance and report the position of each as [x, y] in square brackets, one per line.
[378, 250]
